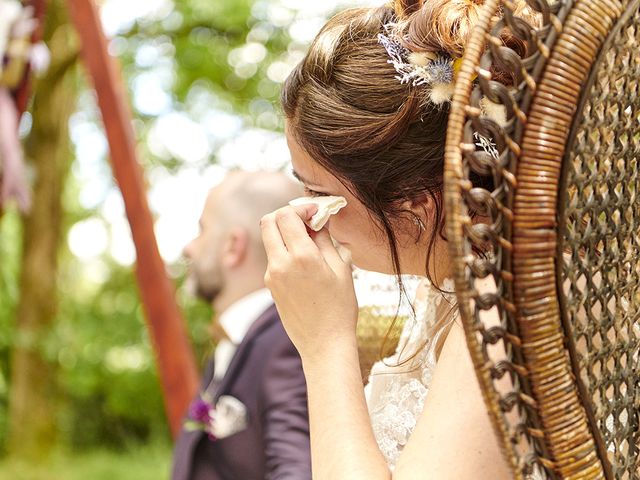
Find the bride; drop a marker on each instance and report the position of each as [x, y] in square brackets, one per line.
[366, 116]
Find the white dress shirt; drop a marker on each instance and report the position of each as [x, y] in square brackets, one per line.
[236, 322]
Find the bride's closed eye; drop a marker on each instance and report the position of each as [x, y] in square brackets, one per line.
[312, 193]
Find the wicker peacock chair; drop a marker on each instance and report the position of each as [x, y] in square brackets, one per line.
[563, 235]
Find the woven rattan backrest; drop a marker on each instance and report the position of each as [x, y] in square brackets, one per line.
[600, 230]
[561, 232]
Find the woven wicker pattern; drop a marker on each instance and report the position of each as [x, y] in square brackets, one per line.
[601, 277]
[544, 417]
[568, 433]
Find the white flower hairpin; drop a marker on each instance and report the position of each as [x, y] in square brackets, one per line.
[486, 144]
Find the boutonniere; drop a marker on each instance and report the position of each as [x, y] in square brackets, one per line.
[227, 417]
[202, 414]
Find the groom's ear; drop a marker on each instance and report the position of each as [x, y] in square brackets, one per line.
[235, 247]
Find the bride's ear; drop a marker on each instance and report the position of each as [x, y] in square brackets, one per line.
[420, 202]
[420, 206]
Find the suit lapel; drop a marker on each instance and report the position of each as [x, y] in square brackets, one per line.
[188, 440]
[267, 318]
[185, 447]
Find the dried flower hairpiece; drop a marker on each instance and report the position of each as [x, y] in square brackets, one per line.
[416, 68]
[435, 71]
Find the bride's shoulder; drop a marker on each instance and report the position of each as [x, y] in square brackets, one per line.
[454, 419]
[428, 295]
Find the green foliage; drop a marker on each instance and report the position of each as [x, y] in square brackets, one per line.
[203, 39]
[106, 361]
[10, 251]
[227, 56]
[151, 462]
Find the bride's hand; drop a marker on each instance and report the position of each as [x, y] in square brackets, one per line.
[310, 283]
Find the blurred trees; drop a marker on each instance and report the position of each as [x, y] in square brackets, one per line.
[72, 328]
[32, 428]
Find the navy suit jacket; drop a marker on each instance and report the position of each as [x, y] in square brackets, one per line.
[266, 375]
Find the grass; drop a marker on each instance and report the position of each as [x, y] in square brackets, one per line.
[142, 463]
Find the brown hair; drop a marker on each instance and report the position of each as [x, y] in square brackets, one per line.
[383, 139]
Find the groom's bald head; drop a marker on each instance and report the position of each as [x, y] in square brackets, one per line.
[230, 240]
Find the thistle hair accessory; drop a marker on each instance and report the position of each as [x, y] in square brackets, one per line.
[416, 68]
[437, 72]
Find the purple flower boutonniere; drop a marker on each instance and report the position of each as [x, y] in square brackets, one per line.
[227, 417]
[202, 414]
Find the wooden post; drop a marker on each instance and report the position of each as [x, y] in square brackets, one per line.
[178, 373]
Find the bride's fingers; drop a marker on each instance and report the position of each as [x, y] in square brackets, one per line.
[271, 238]
[293, 230]
[327, 248]
[306, 211]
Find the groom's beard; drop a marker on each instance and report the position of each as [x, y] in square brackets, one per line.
[207, 291]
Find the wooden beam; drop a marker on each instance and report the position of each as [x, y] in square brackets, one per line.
[178, 373]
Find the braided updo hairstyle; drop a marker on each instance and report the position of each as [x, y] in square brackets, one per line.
[383, 139]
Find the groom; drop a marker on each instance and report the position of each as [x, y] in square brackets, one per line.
[254, 381]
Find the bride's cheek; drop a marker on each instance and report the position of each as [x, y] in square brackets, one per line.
[341, 227]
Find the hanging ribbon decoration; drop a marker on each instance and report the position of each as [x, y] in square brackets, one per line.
[18, 55]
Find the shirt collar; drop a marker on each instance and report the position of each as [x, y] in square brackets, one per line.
[238, 318]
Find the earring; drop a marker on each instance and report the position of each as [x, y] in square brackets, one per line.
[418, 222]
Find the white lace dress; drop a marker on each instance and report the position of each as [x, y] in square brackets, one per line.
[398, 384]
